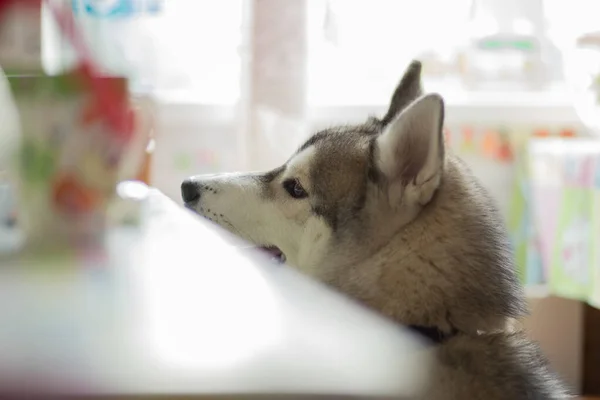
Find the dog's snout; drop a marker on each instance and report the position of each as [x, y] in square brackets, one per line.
[190, 191]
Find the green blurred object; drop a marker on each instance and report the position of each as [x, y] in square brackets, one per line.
[595, 86]
[65, 85]
[38, 163]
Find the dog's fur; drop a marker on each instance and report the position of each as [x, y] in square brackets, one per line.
[394, 220]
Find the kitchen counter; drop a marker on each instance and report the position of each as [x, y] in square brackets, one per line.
[175, 306]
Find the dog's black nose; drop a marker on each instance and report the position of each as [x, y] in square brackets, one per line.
[190, 191]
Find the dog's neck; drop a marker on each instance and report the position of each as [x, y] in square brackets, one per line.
[451, 268]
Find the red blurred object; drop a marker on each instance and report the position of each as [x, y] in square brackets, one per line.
[5, 3]
[541, 133]
[505, 152]
[109, 101]
[567, 133]
[70, 196]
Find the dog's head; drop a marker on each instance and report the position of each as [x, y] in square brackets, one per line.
[351, 193]
[341, 186]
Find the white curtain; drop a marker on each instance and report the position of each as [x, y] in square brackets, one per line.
[240, 83]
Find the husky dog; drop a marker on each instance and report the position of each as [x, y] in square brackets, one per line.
[384, 213]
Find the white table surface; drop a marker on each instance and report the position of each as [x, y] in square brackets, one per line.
[172, 307]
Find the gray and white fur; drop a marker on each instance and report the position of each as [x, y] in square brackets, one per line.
[385, 213]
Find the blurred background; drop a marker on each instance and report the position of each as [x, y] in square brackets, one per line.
[239, 84]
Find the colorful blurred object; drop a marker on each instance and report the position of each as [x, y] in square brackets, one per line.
[563, 173]
[507, 45]
[69, 165]
[90, 138]
[499, 155]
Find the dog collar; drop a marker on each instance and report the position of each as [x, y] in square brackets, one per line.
[433, 334]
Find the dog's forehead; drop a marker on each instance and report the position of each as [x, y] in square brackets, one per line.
[336, 163]
[343, 136]
[333, 151]
[299, 163]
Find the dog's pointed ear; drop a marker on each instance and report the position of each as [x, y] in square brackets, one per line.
[409, 152]
[407, 91]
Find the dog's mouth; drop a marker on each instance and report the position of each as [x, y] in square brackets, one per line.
[274, 252]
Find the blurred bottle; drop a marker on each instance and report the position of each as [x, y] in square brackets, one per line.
[507, 45]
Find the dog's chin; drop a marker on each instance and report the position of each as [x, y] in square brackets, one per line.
[274, 253]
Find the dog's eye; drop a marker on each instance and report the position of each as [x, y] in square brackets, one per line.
[295, 189]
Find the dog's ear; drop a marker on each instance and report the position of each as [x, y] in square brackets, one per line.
[407, 91]
[410, 151]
